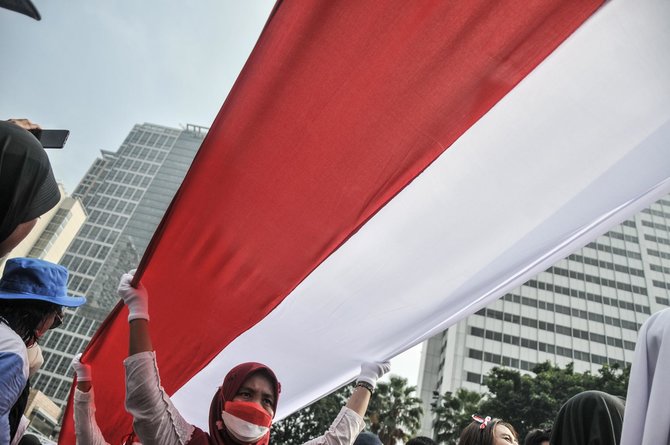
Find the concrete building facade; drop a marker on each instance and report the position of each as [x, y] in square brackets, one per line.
[586, 309]
[53, 232]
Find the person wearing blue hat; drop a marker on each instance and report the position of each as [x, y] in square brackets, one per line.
[33, 293]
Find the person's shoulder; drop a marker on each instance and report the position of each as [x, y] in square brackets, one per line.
[13, 356]
[10, 341]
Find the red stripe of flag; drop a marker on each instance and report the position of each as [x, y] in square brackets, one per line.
[338, 108]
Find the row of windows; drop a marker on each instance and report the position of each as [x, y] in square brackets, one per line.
[136, 165]
[656, 253]
[87, 248]
[540, 346]
[607, 265]
[79, 284]
[657, 239]
[129, 178]
[144, 153]
[577, 333]
[144, 137]
[74, 324]
[51, 232]
[614, 250]
[67, 343]
[551, 327]
[512, 318]
[622, 237]
[587, 296]
[97, 233]
[120, 191]
[656, 213]
[108, 219]
[661, 300]
[474, 378]
[655, 268]
[55, 388]
[597, 280]
[500, 360]
[112, 204]
[83, 266]
[522, 364]
[56, 363]
[661, 284]
[654, 225]
[629, 223]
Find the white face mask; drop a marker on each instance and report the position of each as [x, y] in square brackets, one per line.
[35, 359]
[242, 430]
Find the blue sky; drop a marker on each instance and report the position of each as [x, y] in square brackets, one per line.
[98, 68]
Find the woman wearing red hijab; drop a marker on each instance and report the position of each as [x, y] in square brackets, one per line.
[242, 409]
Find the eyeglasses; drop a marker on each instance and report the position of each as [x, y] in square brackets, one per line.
[58, 319]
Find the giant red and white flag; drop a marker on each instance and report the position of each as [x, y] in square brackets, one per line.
[382, 169]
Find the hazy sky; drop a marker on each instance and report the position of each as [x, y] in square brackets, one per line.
[97, 68]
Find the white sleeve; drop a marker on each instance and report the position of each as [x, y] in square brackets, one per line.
[85, 426]
[343, 431]
[155, 418]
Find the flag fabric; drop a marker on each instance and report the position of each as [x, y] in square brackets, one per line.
[381, 170]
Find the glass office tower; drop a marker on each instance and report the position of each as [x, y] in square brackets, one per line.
[125, 194]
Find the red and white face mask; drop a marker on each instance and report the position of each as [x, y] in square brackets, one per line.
[247, 422]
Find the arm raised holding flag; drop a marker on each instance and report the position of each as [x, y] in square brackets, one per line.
[242, 408]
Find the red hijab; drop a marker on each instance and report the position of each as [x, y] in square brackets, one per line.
[231, 385]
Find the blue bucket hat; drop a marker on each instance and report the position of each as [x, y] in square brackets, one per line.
[33, 279]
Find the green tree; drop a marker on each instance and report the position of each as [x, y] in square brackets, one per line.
[311, 421]
[452, 412]
[394, 412]
[613, 380]
[532, 401]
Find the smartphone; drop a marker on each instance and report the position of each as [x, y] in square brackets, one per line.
[51, 138]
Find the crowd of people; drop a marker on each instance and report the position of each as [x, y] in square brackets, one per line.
[33, 294]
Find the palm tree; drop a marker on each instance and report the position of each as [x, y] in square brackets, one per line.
[394, 412]
[453, 413]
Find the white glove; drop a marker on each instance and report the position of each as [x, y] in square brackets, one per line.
[137, 299]
[83, 371]
[372, 371]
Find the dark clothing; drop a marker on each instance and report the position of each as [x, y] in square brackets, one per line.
[589, 418]
[17, 410]
[27, 185]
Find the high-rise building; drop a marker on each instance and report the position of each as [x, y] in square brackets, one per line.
[53, 231]
[125, 194]
[586, 309]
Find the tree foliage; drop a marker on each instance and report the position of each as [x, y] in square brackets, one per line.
[528, 401]
[394, 412]
[312, 421]
[452, 412]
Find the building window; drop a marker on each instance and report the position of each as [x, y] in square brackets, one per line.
[474, 378]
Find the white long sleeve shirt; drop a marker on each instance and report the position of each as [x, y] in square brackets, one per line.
[157, 421]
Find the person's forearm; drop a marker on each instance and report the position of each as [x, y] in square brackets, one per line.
[358, 402]
[86, 428]
[155, 418]
[140, 339]
[343, 431]
[84, 386]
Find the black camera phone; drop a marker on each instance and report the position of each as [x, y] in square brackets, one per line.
[51, 138]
